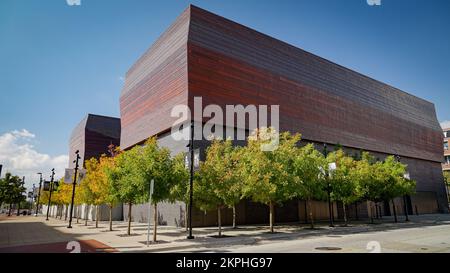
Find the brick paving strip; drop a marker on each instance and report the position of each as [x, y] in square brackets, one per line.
[86, 246]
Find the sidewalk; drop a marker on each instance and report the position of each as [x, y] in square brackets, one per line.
[29, 230]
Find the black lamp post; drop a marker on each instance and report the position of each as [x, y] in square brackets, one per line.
[39, 194]
[73, 187]
[191, 179]
[51, 190]
[330, 207]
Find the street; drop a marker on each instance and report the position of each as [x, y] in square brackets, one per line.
[423, 234]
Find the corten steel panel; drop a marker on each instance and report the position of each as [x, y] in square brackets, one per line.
[92, 136]
[156, 83]
[232, 64]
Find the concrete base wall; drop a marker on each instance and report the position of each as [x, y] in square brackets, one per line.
[83, 211]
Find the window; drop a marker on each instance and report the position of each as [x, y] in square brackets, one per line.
[445, 145]
[447, 159]
[447, 134]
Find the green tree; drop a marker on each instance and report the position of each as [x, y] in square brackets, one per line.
[344, 185]
[447, 180]
[13, 191]
[309, 179]
[268, 174]
[126, 180]
[218, 183]
[157, 165]
[180, 188]
[84, 196]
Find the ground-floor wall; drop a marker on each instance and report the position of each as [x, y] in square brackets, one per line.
[83, 211]
[430, 196]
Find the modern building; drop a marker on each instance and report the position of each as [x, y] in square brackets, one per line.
[91, 137]
[204, 55]
[446, 164]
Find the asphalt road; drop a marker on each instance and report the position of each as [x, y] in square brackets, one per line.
[425, 239]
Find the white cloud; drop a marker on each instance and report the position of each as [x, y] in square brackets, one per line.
[19, 157]
[445, 124]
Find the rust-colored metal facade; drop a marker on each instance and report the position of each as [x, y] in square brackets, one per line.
[446, 164]
[206, 55]
[92, 136]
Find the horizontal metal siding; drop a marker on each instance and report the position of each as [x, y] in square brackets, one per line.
[154, 85]
[231, 64]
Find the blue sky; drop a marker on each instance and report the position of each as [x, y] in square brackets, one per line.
[60, 62]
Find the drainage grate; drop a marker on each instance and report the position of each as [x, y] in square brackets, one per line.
[328, 248]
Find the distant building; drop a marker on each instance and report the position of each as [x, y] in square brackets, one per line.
[91, 137]
[446, 164]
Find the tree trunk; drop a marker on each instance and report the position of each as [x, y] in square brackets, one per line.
[376, 210]
[18, 209]
[311, 218]
[356, 211]
[234, 216]
[306, 212]
[66, 212]
[110, 217]
[129, 219]
[345, 215]
[155, 221]
[97, 212]
[395, 211]
[299, 211]
[371, 213]
[271, 216]
[219, 221]
[186, 216]
[10, 208]
[78, 213]
[86, 211]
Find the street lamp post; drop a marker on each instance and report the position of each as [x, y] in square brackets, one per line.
[330, 207]
[406, 176]
[73, 187]
[50, 195]
[39, 194]
[191, 179]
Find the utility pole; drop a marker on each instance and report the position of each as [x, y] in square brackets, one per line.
[51, 189]
[73, 187]
[1, 167]
[39, 194]
[191, 179]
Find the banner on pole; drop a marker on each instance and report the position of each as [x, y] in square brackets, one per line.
[46, 185]
[69, 173]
